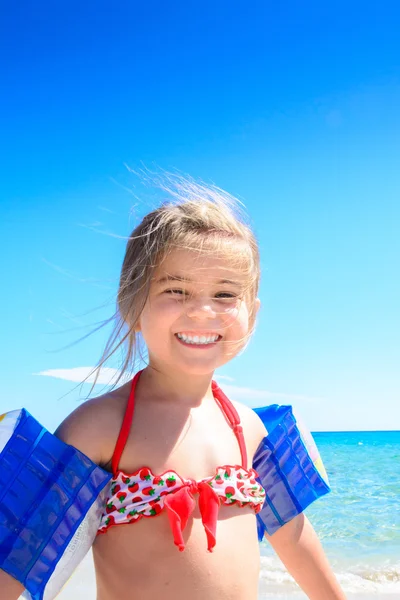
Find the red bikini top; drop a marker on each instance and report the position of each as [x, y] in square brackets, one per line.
[144, 494]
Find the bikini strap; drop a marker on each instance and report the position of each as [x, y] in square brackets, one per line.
[125, 427]
[233, 419]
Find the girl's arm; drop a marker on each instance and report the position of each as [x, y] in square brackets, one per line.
[10, 588]
[300, 550]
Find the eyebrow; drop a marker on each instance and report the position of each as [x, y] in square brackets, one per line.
[168, 278]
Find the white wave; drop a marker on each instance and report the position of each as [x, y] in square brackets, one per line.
[384, 579]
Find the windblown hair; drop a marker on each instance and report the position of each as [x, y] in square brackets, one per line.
[196, 217]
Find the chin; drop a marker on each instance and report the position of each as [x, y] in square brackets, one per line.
[201, 369]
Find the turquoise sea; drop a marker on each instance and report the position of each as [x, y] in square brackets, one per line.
[358, 522]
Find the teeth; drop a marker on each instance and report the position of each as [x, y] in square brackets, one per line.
[196, 339]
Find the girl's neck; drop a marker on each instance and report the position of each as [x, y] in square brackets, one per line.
[175, 387]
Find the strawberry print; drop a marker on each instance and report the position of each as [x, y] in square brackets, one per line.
[155, 510]
[110, 508]
[121, 496]
[145, 474]
[110, 521]
[229, 491]
[142, 494]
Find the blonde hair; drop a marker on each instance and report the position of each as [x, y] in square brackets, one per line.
[196, 217]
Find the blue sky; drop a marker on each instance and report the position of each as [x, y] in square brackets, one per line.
[293, 108]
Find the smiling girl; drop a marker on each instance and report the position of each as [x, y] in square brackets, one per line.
[180, 515]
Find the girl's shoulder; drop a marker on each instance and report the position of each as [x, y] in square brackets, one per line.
[94, 426]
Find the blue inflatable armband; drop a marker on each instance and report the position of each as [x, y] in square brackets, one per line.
[51, 500]
[289, 468]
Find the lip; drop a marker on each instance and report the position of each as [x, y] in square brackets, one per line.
[199, 333]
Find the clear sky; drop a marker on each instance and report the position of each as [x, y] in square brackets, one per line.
[292, 106]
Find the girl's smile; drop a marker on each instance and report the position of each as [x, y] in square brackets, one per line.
[199, 339]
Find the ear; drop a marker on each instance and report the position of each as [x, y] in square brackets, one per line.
[257, 304]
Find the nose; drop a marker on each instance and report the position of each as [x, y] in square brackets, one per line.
[200, 308]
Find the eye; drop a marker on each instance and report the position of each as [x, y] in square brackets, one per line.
[225, 296]
[175, 292]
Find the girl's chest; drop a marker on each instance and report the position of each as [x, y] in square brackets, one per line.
[192, 443]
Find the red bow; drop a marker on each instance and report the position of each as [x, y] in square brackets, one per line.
[181, 504]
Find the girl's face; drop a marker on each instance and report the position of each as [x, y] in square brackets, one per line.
[196, 317]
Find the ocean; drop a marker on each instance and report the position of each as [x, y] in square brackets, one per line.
[358, 523]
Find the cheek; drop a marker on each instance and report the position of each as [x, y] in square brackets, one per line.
[169, 310]
[237, 317]
[160, 314]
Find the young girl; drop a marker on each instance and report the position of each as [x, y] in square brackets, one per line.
[179, 519]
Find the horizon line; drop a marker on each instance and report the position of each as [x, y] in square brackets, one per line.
[360, 431]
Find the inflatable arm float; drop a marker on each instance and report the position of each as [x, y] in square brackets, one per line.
[289, 467]
[51, 501]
